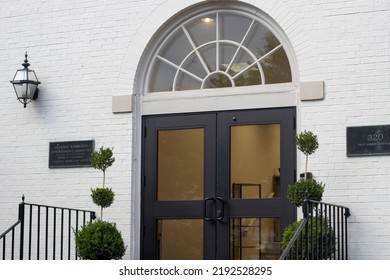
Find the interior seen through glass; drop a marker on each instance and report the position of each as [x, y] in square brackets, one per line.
[255, 161]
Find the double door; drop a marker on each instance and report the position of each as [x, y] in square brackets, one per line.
[215, 184]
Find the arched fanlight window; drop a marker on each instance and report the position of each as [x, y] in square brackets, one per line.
[223, 48]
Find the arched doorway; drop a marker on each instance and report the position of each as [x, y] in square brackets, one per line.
[218, 136]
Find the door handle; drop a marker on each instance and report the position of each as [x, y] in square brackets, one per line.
[205, 217]
[221, 209]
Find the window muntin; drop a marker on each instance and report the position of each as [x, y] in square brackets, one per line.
[219, 49]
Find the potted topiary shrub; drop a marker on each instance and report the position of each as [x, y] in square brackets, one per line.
[308, 189]
[305, 188]
[100, 240]
[103, 196]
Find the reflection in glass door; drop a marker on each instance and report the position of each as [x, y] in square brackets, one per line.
[254, 238]
[215, 184]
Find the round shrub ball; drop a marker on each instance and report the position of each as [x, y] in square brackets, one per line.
[305, 189]
[321, 239]
[99, 240]
[102, 197]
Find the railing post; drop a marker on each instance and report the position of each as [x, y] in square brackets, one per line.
[305, 251]
[304, 209]
[92, 216]
[21, 219]
[346, 214]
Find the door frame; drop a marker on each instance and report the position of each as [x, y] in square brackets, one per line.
[188, 209]
[223, 124]
[286, 117]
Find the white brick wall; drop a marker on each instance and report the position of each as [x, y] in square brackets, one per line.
[77, 49]
[84, 52]
[351, 41]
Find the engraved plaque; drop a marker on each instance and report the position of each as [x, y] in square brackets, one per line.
[368, 140]
[70, 154]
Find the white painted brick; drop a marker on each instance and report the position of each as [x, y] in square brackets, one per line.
[86, 52]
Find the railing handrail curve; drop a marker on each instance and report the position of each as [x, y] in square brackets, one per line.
[293, 239]
[331, 227]
[10, 229]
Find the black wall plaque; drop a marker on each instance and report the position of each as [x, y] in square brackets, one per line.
[70, 154]
[368, 140]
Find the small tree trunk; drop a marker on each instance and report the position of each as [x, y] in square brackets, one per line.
[307, 159]
[104, 183]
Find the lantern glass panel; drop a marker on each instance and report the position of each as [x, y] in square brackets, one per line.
[21, 75]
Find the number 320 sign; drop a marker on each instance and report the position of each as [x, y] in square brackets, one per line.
[368, 140]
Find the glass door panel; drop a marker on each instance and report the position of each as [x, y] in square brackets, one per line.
[180, 164]
[180, 239]
[254, 238]
[254, 161]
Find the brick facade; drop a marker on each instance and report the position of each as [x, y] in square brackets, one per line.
[84, 52]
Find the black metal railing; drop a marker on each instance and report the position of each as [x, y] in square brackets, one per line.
[322, 233]
[43, 232]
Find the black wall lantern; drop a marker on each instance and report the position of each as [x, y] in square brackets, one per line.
[25, 84]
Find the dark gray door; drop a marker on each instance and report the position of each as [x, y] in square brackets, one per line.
[215, 184]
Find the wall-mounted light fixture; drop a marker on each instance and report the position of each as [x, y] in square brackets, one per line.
[25, 84]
